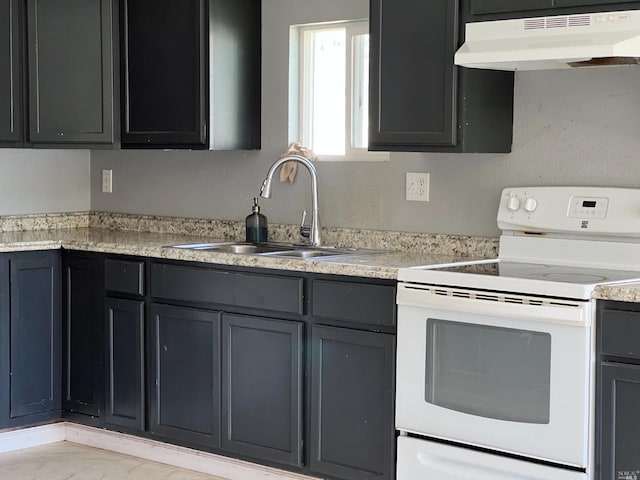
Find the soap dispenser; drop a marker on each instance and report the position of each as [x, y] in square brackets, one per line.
[256, 224]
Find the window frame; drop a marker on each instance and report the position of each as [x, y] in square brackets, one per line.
[352, 28]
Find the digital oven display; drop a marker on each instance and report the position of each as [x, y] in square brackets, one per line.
[589, 204]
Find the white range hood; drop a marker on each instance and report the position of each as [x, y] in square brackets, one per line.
[545, 43]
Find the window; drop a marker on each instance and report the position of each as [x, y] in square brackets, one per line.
[333, 90]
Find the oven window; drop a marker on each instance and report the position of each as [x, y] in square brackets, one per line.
[492, 372]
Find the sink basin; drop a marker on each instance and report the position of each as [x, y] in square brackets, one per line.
[305, 253]
[286, 250]
[245, 248]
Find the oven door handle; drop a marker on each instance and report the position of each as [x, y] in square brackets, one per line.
[559, 311]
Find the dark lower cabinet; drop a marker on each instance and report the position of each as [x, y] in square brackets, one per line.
[125, 362]
[30, 337]
[352, 423]
[262, 388]
[617, 391]
[184, 374]
[620, 452]
[83, 338]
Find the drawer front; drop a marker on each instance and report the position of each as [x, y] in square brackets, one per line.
[193, 284]
[354, 302]
[124, 276]
[620, 331]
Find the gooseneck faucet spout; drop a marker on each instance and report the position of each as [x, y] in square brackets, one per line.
[313, 232]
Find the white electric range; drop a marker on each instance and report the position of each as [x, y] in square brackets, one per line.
[495, 361]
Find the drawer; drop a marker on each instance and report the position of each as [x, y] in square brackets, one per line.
[193, 284]
[354, 302]
[620, 333]
[124, 276]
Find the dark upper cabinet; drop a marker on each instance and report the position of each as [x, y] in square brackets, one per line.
[70, 64]
[11, 74]
[83, 337]
[420, 101]
[125, 364]
[262, 388]
[191, 74]
[30, 337]
[184, 383]
[352, 422]
[500, 9]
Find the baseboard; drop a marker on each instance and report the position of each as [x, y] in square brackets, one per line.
[181, 457]
[32, 437]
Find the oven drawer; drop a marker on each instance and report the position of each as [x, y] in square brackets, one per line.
[419, 459]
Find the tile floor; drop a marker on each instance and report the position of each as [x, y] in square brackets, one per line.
[70, 461]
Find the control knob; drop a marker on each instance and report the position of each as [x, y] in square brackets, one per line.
[530, 204]
[513, 204]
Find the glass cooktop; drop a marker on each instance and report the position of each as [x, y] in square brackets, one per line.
[521, 277]
[549, 273]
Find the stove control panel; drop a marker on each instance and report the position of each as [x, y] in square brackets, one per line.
[583, 210]
[588, 207]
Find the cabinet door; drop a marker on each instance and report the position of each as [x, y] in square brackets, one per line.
[352, 419]
[163, 72]
[35, 333]
[619, 421]
[185, 374]
[124, 403]
[83, 377]
[262, 385]
[413, 80]
[10, 71]
[479, 7]
[70, 71]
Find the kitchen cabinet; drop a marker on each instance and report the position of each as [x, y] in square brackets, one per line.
[184, 374]
[30, 337]
[352, 366]
[70, 71]
[11, 72]
[617, 390]
[262, 385]
[83, 337]
[500, 9]
[419, 100]
[125, 356]
[191, 74]
[352, 432]
[125, 361]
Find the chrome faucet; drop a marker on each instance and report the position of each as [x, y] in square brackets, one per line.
[312, 232]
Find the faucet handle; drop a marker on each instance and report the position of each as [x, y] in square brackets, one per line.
[304, 230]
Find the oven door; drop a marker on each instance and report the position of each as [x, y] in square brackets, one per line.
[500, 371]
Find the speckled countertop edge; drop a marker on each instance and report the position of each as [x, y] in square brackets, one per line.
[626, 292]
[148, 236]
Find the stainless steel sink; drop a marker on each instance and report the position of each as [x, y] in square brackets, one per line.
[286, 250]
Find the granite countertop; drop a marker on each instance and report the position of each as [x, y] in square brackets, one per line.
[626, 292]
[148, 236]
[153, 244]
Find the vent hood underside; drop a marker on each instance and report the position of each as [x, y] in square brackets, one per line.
[545, 43]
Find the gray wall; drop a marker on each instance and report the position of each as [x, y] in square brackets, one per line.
[41, 181]
[571, 127]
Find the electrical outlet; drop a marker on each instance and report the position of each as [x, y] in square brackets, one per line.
[417, 187]
[107, 181]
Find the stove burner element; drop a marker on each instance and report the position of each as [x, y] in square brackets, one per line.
[568, 277]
